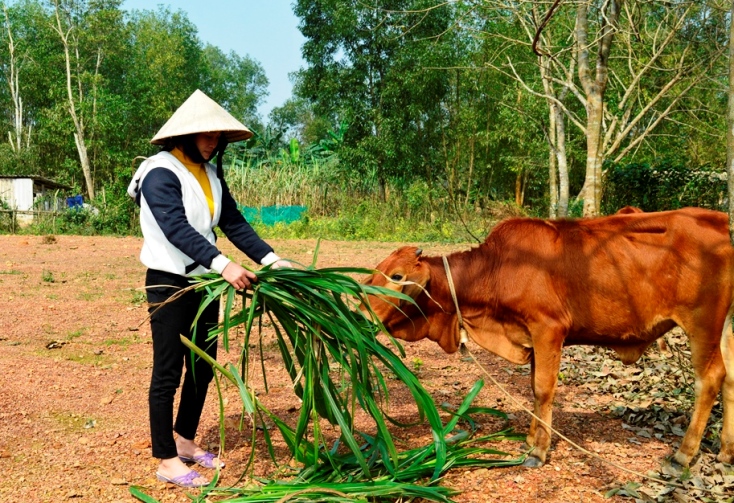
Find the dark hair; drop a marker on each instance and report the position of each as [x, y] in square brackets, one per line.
[219, 152]
[188, 145]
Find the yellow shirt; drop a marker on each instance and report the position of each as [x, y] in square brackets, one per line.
[199, 171]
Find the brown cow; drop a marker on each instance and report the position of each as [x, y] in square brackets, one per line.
[619, 282]
[662, 344]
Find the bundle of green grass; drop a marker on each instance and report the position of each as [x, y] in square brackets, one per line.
[319, 328]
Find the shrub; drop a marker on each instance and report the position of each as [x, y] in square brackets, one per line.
[663, 186]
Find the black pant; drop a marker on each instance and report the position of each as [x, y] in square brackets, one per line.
[167, 324]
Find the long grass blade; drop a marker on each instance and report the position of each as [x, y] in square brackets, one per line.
[335, 361]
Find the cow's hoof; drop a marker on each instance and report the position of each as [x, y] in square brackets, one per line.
[680, 461]
[532, 462]
[673, 467]
[725, 457]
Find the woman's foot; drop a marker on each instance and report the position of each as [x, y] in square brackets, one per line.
[174, 470]
[189, 452]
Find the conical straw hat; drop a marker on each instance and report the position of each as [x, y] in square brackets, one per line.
[201, 114]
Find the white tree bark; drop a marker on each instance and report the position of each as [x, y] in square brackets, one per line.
[612, 132]
[66, 33]
[594, 88]
[19, 132]
[558, 163]
[648, 51]
[552, 166]
[562, 161]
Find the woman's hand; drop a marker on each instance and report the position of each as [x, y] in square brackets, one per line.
[238, 276]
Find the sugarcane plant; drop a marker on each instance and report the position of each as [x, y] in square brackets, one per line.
[337, 365]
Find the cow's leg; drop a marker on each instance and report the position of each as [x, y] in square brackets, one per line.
[530, 439]
[546, 364]
[709, 370]
[726, 454]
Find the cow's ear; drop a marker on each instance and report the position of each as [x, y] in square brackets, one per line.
[419, 278]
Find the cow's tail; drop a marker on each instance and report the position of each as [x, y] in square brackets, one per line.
[726, 343]
[727, 336]
[726, 346]
[726, 453]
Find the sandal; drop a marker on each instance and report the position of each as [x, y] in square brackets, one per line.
[186, 481]
[206, 460]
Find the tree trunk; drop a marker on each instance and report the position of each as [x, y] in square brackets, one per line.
[81, 148]
[563, 189]
[594, 88]
[638, 109]
[729, 131]
[382, 187]
[12, 76]
[520, 182]
[558, 163]
[472, 142]
[78, 121]
[593, 182]
[552, 164]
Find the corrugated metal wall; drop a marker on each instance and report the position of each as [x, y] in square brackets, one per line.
[23, 194]
[7, 191]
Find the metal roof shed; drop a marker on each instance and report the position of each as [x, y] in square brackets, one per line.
[21, 193]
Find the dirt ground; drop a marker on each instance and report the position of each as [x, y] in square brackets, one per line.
[75, 354]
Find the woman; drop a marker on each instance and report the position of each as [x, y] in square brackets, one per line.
[182, 197]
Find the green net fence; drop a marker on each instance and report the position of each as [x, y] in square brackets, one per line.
[271, 215]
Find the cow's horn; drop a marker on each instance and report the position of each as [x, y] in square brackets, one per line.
[418, 252]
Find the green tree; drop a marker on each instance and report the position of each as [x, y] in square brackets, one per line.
[163, 69]
[236, 82]
[367, 69]
[86, 31]
[299, 120]
[660, 55]
[36, 57]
